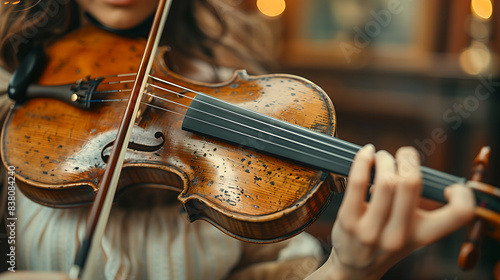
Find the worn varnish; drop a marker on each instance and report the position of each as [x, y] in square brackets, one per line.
[59, 150]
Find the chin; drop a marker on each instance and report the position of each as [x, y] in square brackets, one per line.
[119, 24]
[120, 20]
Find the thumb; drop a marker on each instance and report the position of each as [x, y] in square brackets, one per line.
[458, 212]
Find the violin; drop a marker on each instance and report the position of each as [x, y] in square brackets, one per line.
[255, 156]
[72, 149]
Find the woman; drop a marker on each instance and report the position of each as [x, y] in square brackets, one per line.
[368, 238]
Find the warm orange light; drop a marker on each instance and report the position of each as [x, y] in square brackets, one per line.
[271, 8]
[482, 8]
[476, 59]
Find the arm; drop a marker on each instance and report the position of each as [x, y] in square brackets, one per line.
[368, 238]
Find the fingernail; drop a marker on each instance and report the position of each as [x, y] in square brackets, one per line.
[369, 148]
[383, 152]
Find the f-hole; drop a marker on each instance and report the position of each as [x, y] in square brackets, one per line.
[149, 145]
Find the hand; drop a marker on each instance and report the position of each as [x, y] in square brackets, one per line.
[368, 238]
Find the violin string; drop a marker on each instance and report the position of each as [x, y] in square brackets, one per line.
[112, 91]
[241, 115]
[116, 76]
[254, 129]
[181, 94]
[241, 133]
[104, 100]
[118, 82]
[432, 174]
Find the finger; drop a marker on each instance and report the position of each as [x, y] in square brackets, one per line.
[438, 223]
[406, 196]
[359, 179]
[380, 204]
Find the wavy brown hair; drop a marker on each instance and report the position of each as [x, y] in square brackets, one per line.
[212, 30]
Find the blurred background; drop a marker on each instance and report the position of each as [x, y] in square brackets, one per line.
[400, 72]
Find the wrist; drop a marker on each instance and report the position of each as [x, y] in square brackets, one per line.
[340, 271]
[332, 270]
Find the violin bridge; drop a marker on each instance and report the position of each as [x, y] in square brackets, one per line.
[147, 99]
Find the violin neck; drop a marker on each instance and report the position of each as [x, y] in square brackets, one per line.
[213, 117]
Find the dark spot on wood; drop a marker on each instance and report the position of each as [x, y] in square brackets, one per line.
[45, 172]
[46, 157]
[247, 171]
[272, 183]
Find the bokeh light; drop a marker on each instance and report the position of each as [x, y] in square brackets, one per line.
[271, 8]
[482, 8]
[476, 59]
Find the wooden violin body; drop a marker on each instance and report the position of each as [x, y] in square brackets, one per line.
[60, 151]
